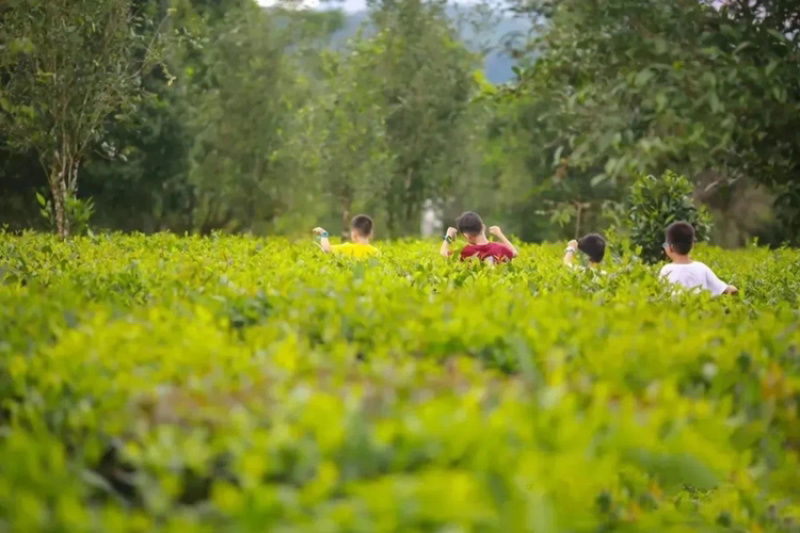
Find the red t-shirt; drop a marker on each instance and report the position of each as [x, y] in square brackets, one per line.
[499, 252]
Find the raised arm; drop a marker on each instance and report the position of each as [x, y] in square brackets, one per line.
[498, 233]
[324, 242]
[449, 237]
[569, 255]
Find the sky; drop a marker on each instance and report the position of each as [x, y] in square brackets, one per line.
[346, 5]
[349, 6]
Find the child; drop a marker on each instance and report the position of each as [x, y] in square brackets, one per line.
[360, 234]
[472, 228]
[683, 271]
[593, 245]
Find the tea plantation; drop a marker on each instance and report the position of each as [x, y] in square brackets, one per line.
[168, 383]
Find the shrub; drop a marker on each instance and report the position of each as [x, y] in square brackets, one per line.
[655, 203]
[78, 213]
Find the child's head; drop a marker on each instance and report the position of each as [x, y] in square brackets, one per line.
[470, 225]
[360, 228]
[680, 239]
[594, 246]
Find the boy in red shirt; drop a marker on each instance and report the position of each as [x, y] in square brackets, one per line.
[478, 246]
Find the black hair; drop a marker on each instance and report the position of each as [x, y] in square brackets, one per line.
[594, 246]
[469, 223]
[362, 224]
[680, 235]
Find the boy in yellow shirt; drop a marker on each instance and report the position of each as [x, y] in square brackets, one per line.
[360, 234]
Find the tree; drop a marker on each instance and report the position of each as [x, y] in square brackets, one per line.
[692, 86]
[348, 136]
[425, 77]
[66, 66]
[241, 121]
[536, 194]
[247, 168]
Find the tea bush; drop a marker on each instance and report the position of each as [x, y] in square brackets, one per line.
[655, 203]
[240, 384]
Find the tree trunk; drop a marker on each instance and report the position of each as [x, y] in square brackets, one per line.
[63, 178]
[59, 191]
[345, 217]
[58, 188]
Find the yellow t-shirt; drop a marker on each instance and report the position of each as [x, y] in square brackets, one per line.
[354, 249]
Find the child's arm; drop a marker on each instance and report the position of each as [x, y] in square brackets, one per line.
[572, 249]
[717, 286]
[730, 289]
[497, 232]
[444, 251]
[324, 242]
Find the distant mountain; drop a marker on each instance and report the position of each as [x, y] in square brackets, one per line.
[490, 39]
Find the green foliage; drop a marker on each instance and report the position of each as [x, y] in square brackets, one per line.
[77, 211]
[80, 211]
[390, 127]
[236, 383]
[271, 120]
[242, 122]
[45, 209]
[625, 88]
[423, 75]
[655, 203]
[66, 67]
[345, 137]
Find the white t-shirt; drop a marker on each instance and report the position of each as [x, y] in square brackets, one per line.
[694, 275]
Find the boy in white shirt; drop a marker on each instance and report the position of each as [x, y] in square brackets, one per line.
[683, 271]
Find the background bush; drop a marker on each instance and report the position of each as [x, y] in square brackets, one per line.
[654, 204]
